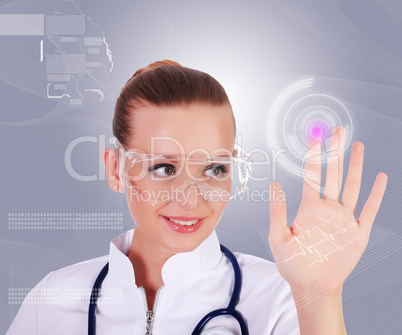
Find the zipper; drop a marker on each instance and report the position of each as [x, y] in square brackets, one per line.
[150, 314]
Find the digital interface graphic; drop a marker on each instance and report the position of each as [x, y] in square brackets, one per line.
[77, 58]
[299, 110]
[334, 238]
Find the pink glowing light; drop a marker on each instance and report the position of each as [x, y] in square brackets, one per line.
[316, 132]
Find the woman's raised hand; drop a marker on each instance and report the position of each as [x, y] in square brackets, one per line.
[325, 242]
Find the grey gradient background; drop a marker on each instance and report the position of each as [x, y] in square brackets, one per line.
[255, 49]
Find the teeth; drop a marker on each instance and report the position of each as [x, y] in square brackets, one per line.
[184, 223]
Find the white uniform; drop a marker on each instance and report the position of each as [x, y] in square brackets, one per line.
[195, 283]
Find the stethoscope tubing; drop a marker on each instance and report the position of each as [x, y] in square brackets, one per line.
[230, 310]
[94, 298]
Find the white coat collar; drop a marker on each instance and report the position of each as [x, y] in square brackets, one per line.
[178, 267]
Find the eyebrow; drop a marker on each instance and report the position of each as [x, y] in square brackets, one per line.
[170, 156]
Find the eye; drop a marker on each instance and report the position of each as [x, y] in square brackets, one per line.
[217, 170]
[162, 170]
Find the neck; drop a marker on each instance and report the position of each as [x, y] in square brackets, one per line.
[147, 260]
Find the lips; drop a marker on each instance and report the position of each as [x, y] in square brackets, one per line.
[184, 224]
[184, 220]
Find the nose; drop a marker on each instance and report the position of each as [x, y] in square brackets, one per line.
[189, 195]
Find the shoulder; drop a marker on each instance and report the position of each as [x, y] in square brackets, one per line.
[76, 275]
[266, 290]
[68, 285]
[251, 264]
[262, 275]
[64, 290]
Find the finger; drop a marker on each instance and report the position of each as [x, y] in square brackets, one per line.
[333, 179]
[373, 202]
[312, 169]
[353, 180]
[278, 228]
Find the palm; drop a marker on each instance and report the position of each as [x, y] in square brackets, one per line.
[325, 242]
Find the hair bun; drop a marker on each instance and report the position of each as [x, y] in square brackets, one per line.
[154, 65]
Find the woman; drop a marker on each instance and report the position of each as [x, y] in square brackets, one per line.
[175, 156]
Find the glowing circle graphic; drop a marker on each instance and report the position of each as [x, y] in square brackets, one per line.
[299, 111]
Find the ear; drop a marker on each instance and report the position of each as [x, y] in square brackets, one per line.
[112, 170]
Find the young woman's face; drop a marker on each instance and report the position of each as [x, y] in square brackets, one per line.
[193, 129]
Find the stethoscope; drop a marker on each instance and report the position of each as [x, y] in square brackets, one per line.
[230, 310]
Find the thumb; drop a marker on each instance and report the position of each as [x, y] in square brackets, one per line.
[278, 228]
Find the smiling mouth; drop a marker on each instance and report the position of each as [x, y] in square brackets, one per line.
[183, 223]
